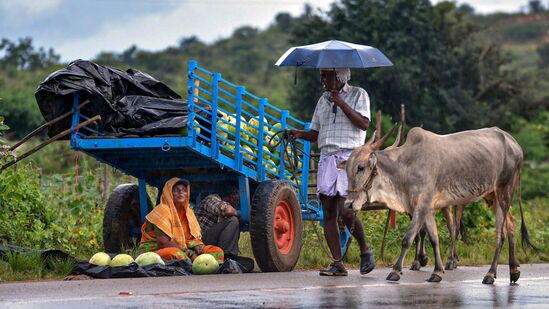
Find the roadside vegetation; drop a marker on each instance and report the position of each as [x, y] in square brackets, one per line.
[54, 212]
[465, 71]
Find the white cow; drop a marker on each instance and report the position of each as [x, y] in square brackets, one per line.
[430, 172]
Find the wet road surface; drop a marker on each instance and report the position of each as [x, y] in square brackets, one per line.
[459, 288]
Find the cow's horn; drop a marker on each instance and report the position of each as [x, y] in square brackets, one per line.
[397, 140]
[400, 129]
[372, 139]
[382, 141]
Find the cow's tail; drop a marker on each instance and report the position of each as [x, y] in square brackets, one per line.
[525, 238]
[385, 238]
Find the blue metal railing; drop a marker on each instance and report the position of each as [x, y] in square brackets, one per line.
[233, 137]
[219, 127]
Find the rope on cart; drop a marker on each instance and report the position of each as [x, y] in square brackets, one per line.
[291, 154]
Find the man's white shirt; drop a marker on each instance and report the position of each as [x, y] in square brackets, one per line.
[335, 130]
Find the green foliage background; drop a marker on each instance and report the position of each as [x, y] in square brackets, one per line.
[50, 212]
[454, 70]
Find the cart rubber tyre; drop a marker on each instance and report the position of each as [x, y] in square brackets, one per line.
[276, 226]
[120, 216]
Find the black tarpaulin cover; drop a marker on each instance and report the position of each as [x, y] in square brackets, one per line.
[129, 102]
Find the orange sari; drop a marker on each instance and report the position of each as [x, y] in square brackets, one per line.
[181, 226]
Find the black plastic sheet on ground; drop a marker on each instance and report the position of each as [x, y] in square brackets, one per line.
[230, 267]
[130, 102]
[172, 268]
[238, 265]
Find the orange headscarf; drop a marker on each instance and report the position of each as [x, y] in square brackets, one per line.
[166, 217]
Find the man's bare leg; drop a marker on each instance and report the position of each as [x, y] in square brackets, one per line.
[331, 231]
[349, 217]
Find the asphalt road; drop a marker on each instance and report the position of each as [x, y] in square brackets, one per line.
[459, 288]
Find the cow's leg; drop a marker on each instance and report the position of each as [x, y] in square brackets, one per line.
[513, 262]
[420, 258]
[417, 221]
[431, 226]
[460, 229]
[451, 262]
[490, 277]
[514, 273]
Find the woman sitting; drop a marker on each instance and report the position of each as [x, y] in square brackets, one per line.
[171, 228]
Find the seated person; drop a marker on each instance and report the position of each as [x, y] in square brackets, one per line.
[171, 229]
[219, 222]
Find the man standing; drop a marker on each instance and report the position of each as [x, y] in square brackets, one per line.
[219, 222]
[339, 124]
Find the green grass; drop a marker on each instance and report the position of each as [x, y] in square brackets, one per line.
[80, 235]
[478, 251]
[16, 266]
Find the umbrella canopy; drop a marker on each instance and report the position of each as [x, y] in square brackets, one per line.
[334, 54]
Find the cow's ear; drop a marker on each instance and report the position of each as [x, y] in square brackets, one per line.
[372, 161]
[342, 164]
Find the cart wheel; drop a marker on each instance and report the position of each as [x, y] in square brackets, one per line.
[276, 226]
[120, 217]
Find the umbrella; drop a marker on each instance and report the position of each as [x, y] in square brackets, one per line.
[334, 54]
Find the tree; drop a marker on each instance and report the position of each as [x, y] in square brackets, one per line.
[128, 56]
[448, 80]
[543, 53]
[23, 55]
[188, 43]
[535, 6]
[245, 56]
[3, 128]
[466, 8]
[284, 21]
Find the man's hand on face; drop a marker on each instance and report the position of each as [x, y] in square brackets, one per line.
[334, 97]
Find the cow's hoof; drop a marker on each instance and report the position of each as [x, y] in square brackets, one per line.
[393, 276]
[423, 259]
[415, 265]
[434, 278]
[488, 279]
[450, 264]
[514, 276]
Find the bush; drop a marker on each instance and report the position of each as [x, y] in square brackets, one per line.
[533, 137]
[524, 32]
[530, 138]
[535, 181]
[3, 128]
[29, 266]
[53, 217]
[543, 53]
[18, 104]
